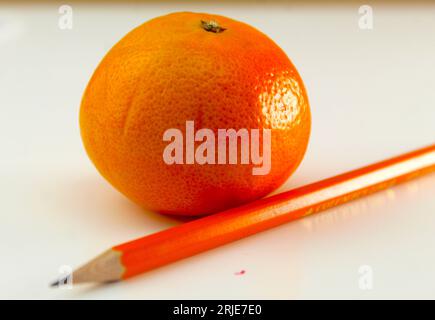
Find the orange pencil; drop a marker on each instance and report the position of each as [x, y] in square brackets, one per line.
[137, 256]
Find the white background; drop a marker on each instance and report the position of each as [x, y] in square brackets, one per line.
[372, 95]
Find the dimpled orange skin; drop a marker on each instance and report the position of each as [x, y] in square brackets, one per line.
[170, 70]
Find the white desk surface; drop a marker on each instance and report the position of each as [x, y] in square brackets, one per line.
[372, 96]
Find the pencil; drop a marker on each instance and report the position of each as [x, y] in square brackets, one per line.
[161, 248]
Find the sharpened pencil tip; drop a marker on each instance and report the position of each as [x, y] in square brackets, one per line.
[58, 283]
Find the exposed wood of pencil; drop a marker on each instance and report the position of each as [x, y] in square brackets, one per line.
[149, 252]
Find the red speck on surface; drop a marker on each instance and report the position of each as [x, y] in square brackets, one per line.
[239, 273]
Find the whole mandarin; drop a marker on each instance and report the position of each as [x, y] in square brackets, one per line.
[215, 71]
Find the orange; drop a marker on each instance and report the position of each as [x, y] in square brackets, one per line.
[215, 71]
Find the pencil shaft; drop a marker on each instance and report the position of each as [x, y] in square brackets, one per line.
[206, 233]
